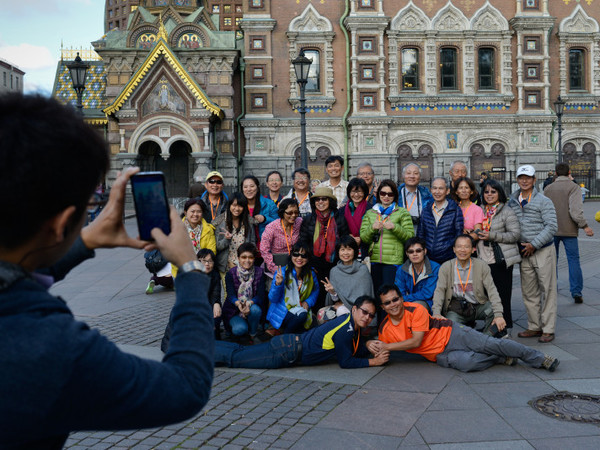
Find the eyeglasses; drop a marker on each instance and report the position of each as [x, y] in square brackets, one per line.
[364, 174]
[208, 261]
[416, 250]
[386, 194]
[321, 199]
[367, 313]
[394, 300]
[292, 213]
[299, 255]
[301, 179]
[215, 181]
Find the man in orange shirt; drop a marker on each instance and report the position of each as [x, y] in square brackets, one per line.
[410, 328]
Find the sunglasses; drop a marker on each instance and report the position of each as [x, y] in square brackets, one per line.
[321, 199]
[215, 181]
[292, 213]
[394, 300]
[299, 255]
[416, 250]
[367, 313]
[386, 194]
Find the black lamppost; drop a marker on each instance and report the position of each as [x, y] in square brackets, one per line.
[302, 66]
[78, 70]
[559, 106]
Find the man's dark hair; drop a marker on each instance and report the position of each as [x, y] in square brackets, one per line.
[495, 186]
[301, 171]
[274, 172]
[414, 240]
[334, 158]
[49, 160]
[464, 236]
[365, 299]
[203, 252]
[284, 205]
[246, 247]
[385, 288]
[562, 170]
[357, 183]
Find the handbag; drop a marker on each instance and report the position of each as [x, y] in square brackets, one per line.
[461, 306]
[498, 255]
[154, 261]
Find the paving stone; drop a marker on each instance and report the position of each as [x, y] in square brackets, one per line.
[422, 376]
[575, 442]
[497, 445]
[334, 439]
[242, 441]
[457, 395]
[505, 395]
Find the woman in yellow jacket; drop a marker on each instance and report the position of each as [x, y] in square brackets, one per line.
[202, 233]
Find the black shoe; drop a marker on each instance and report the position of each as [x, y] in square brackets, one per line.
[578, 299]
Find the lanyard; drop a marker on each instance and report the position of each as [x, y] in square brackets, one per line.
[413, 201]
[212, 213]
[435, 210]
[286, 237]
[467, 210]
[413, 275]
[521, 199]
[463, 285]
[302, 201]
[355, 344]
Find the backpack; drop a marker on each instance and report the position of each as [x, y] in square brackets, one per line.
[154, 260]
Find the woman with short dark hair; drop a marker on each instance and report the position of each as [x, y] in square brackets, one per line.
[280, 235]
[357, 193]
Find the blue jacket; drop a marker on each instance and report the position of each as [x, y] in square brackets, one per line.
[267, 209]
[440, 239]
[278, 308]
[426, 197]
[425, 287]
[57, 375]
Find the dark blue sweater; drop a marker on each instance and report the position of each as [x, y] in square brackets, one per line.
[58, 376]
[440, 238]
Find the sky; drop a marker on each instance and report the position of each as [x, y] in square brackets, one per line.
[31, 32]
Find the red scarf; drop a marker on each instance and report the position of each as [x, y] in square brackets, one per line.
[324, 237]
[354, 218]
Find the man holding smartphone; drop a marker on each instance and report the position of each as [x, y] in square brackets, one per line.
[57, 375]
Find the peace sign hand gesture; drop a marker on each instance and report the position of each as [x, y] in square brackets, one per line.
[328, 286]
[278, 276]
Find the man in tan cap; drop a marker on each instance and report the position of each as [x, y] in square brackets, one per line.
[215, 200]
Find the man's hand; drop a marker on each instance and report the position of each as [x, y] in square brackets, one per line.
[176, 247]
[375, 346]
[500, 323]
[380, 359]
[108, 230]
[528, 249]
[438, 316]
[588, 231]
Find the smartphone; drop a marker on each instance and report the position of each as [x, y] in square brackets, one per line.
[151, 204]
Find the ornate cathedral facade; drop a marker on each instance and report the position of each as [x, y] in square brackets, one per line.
[192, 85]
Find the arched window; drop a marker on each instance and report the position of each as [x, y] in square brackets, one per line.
[314, 74]
[410, 69]
[485, 59]
[448, 69]
[576, 69]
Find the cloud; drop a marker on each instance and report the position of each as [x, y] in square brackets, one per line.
[28, 57]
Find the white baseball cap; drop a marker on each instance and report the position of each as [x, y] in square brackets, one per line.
[526, 170]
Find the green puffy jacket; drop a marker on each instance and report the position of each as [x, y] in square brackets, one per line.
[390, 247]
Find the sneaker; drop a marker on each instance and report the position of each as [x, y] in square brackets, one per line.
[546, 337]
[578, 299]
[508, 334]
[150, 287]
[510, 361]
[550, 363]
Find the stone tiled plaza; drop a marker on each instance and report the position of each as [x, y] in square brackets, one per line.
[409, 403]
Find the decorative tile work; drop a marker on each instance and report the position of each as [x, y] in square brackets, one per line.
[314, 110]
[95, 86]
[581, 106]
[452, 107]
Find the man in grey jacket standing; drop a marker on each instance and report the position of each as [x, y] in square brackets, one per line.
[537, 217]
[563, 192]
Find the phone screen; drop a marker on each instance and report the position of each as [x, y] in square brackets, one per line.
[151, 205]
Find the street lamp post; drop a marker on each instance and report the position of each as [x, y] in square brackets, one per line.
[302, 67]
[78, 70]
[559, 106]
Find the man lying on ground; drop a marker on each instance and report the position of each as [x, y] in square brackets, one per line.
[410, 328]
[340, 338]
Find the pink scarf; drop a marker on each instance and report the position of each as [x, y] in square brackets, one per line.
[354, 215]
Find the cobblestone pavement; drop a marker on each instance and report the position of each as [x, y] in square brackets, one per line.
[408, 404]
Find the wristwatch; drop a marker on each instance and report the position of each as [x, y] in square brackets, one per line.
[193, 266]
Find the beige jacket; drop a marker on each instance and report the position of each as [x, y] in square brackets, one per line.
[484, 288]
[568, 203]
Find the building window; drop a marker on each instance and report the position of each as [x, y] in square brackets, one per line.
[314, 74]
[532, 44]
[486, 68]
[533, 99]
[259, 101]
[448, 69]
[368, 100]
[532, 72]
[576, 69]
[227, 8]
[410, 69]
[227, 21]
[531, 4]
[4, 76]
[366, 44]
[367, 72]
[258, 72]
[17, 82]
[11, 81]
[216, 9]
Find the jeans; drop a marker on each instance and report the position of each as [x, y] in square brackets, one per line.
[469, 350]
[241, 326]
[281, 351]
[572, 250]
[293, 323]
